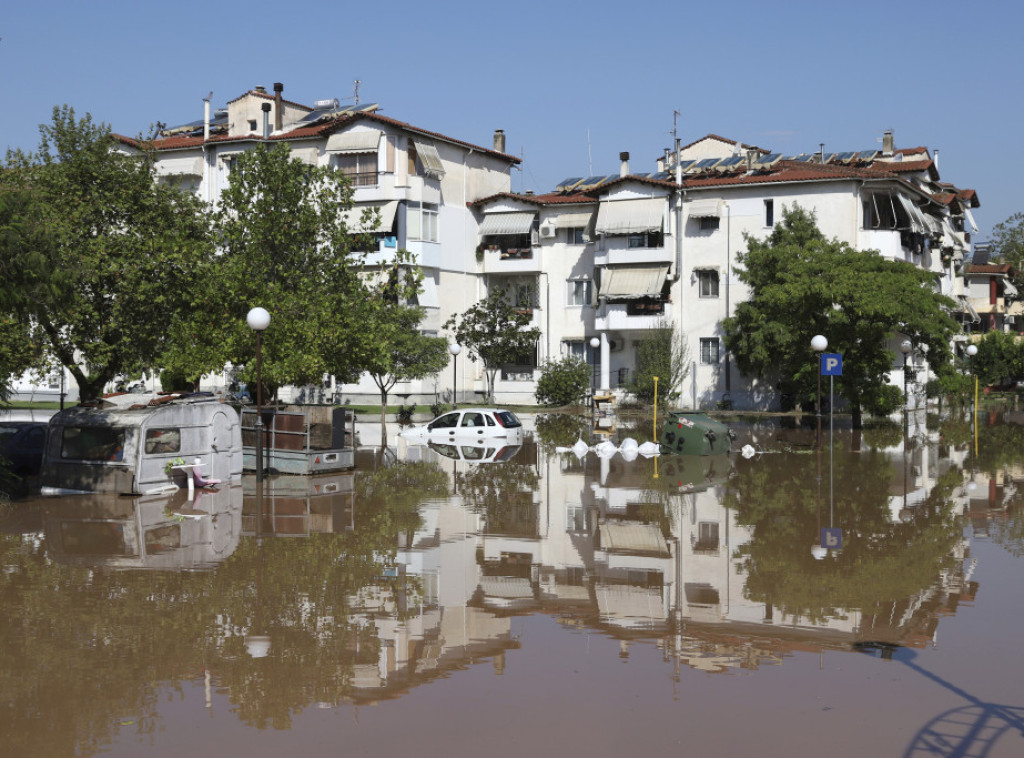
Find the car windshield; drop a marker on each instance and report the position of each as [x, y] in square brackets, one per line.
[447, 421]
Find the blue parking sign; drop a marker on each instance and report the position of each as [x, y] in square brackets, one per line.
[831, 364]
[832, 539]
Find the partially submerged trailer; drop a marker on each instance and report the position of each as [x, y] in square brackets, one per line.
[142, 444]
[306, 441]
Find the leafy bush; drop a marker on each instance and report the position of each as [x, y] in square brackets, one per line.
[405, 412]
[884, 400]
[563, 381]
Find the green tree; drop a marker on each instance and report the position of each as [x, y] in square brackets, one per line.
[495, 332]
[563, 381]
[283, 245]
[1008, 244]
[404, 352]
[99, 259]
[1000, 359]
[803, 284]
[660, 353]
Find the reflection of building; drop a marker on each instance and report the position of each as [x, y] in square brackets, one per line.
[162, 532]
[297, 506]
[602, 543]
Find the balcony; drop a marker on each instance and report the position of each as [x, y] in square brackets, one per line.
[630, 315]
[634, 255]
[510, 260]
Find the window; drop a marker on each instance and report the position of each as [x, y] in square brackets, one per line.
[163, 441]
[581, 292]
[708, 223]
[709, 350]
[575, 518]
[707, 536]
[769, 213]
[646, 239]
[707, 281]
[421, 221]
[252, 125]
[574, 236]
[358, 168]
[582, 350]
[88, 443]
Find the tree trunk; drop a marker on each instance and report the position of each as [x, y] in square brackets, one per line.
[383, 417]
[855, 412]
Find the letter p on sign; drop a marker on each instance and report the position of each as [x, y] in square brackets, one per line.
[831, 364]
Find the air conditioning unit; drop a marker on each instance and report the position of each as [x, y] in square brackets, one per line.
[615, 342]
[548, 232]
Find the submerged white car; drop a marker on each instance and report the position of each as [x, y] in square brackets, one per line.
[469, 424]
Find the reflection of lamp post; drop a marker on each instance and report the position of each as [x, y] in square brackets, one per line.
[455, 348]
[595, 343]
[258, 320]
[818, 344]
[906, 347]
[972, 350]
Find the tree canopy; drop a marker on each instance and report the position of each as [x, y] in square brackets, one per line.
[1008, 242]
[495, 332]
[100, 259]
[662, 353]
[283, 245]
[803, 284]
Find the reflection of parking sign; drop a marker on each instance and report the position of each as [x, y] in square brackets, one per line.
[831, 364]
[832, 539]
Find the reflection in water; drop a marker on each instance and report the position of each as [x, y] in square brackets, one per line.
[357, 587]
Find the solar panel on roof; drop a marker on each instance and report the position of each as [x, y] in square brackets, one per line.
[660, 175]
[829, 157]
[707, 163]
[569, 183]
[686, 165]
[867, 155]
[845, 156]
[768, 160]
[732, 162]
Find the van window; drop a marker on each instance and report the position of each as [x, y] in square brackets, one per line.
[163, 441]
[91, 443]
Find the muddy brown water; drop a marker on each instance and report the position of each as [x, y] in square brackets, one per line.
[456, 602]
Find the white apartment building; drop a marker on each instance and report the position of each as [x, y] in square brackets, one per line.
[612, 256]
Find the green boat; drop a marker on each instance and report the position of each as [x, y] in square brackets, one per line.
[689, 433]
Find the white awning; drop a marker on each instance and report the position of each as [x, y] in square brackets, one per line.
[630, 283]
[507, 587]
[970, 219]
[430, 159]
[630, 216]
[1008, 289]
[965, 304]
[353, 142]
[354, 216]
[704, 208]
[633, 538]
[917, 220]
[933, 224]
[307, 155]
[630, 606]
[507, 223]
[573, 220]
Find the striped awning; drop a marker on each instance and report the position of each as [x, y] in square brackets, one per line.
[625, 605]
[354, 142]
[573, 220]
[510, 587]
[632, 282]
[430, 159]
[704, 209]
[633, 538]
[965, 303]
[631, 216]
[507, 223]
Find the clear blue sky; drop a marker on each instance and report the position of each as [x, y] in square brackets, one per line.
[571, 83]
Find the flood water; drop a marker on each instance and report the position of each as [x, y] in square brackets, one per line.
[536, 602]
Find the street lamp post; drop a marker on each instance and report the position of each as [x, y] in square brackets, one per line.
[595, 343]
[906, 347]
[972, 350]
[258, 320]
[818, 344]
[455, 348]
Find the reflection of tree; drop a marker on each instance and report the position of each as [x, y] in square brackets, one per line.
[86, 646]
[560, 430]
[504, 492]
[1009, 531]
[881, 562]
[1000, 446]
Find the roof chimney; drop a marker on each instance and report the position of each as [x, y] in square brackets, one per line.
[260, 88]
[888, 143]
[206, 116]
[278, 110]
[499, 140]
[752, 155]
[624, 167]
[265, 107]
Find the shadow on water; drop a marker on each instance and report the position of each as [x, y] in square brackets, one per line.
[970, 730]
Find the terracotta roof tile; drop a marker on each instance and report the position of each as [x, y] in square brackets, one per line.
[551, 198]
[725, 139]
[989, 268]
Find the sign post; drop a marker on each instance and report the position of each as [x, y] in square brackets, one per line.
[831, 366]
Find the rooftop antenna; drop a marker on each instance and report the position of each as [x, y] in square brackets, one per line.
[675, 134]
[355, 95]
